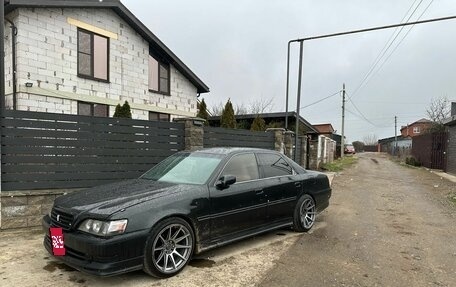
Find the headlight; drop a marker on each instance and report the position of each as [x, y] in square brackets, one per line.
[103, 228]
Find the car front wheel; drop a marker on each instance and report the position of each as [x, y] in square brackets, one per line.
[169, 248]
[304, 214]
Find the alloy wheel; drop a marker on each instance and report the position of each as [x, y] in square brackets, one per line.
[307, 213]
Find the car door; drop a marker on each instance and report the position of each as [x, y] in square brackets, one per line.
[281, 189]
[242, 205]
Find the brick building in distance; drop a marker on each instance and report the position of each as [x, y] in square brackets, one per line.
[416, 128]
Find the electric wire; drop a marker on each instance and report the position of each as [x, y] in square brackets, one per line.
[387, 45]
[320, 100]
[406, 34]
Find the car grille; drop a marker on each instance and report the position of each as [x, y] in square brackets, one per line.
[60, 218]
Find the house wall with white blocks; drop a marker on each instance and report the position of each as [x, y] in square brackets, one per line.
[47, 57]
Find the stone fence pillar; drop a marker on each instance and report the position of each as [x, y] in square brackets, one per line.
[283, 141]
[194, 132]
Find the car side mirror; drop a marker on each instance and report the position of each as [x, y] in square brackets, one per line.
[225, 181]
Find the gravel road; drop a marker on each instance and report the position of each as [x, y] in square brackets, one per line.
[387, 225]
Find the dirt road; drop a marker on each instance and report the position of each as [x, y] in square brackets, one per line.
[387, 225]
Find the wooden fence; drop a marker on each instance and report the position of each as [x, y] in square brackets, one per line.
[215, 137]
[47, 151]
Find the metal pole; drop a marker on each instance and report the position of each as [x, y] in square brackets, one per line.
[2, 76]
[342, 141]
[395, 135]
[298, 103]
[2, 56]
[288, 83]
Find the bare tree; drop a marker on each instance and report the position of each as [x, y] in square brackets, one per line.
[370, 139]
[217, 109]
[438, 110]
[255, 107]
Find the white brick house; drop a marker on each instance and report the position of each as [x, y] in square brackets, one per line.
[87, 56]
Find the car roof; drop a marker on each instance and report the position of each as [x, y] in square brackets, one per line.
[231, 150]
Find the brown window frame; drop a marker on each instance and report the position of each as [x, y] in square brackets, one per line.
[158, 115]
[92, 54]
[167, 67]
[92, 109]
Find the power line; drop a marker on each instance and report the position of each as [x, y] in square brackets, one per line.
[362, 115]
[406, 34]
[387, 45]
[321, 100]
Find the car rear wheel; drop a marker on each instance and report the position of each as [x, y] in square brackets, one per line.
[169, 248]
[304, 214]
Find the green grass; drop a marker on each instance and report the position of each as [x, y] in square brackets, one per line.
[452, 198]
[340, 164]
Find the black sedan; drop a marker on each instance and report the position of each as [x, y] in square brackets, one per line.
[189, 203]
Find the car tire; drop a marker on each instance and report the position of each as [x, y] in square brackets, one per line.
[304, 214]
[169, 248]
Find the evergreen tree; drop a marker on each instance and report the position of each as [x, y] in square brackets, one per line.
[228, 120]
[258, 124]
[202, 112]
[118, 111]
[123, 111]
[126, 110]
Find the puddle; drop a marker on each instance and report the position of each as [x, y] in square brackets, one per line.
[202, 263]
[75, 279]
[52, 266]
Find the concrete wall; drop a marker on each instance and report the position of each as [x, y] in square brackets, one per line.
[47, 57]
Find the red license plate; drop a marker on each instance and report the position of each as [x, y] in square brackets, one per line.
[58, 247]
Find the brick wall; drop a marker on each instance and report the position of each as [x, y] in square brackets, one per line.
[47, 57]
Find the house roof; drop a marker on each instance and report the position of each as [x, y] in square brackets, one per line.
[392, 139]
[271, 116]
[127, 16]
[421, 121]
[324, 128]
[450, 121]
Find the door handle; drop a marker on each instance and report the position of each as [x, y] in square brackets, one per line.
[297, 184]
[259, 192]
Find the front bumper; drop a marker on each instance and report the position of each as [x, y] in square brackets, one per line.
[100, 256]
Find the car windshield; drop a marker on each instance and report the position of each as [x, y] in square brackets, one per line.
[186, 168]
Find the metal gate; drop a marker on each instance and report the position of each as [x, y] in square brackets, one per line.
[430, 149]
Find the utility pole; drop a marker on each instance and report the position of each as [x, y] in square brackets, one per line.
[342, 142]
[2, 56]
[395, 135]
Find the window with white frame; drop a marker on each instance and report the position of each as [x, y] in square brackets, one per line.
[416, 130]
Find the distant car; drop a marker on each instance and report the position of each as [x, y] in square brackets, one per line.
[349, 149]
[189, 203]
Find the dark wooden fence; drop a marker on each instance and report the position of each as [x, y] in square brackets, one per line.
[430, 149]
[220, 137]
[46, 151]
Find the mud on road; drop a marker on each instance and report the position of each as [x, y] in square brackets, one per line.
[387, 225]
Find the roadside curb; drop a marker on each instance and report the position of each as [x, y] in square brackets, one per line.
[442, 174]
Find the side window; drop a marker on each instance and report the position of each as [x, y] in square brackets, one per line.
[244, 167]
[274, 165]
[93, 55]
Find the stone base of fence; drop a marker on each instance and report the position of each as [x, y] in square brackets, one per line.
[26, 208]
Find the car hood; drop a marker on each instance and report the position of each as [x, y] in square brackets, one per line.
[106, 199]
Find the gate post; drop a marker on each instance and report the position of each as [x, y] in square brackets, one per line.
[194, 132]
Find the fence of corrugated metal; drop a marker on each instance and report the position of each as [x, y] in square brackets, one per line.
[47, 151]
[429, 149]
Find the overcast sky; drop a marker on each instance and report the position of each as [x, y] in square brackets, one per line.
[239, 49]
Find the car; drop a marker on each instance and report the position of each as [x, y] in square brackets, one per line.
[187, 204]
[349, 149]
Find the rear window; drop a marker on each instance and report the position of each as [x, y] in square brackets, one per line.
[274, 165]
